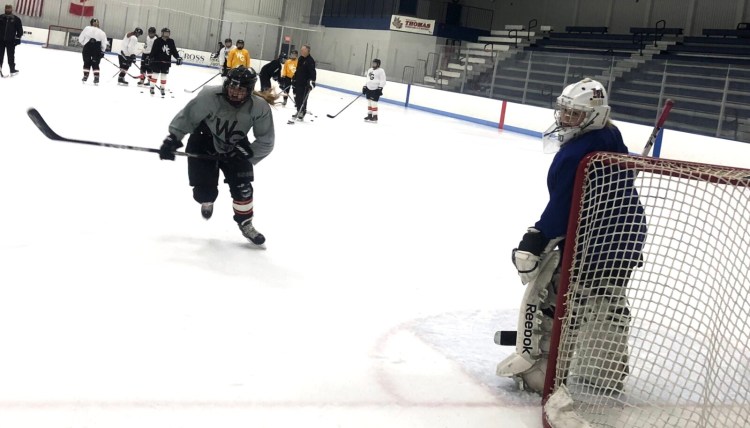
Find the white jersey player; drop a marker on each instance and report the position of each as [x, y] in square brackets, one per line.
[94, 42]
[224, 54]
[146, 58]
[373, 90]
[128, 49]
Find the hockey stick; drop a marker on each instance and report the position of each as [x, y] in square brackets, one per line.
[291, 122]
[204, 84]
[347, 106]
[107, 59]
[40, 123]
[659, 124]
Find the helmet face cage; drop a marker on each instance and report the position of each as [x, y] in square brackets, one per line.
[94, 21]
[151, 30]
[239, 85]
[240, 44]
[165, 31]
[375, 63]
[138, 32]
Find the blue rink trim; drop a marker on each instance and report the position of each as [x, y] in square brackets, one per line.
[444, 113]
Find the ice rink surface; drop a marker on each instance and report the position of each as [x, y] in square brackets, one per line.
[385, 275]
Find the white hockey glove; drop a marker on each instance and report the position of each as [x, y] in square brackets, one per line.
[528, 256]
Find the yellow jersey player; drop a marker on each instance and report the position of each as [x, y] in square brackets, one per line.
[287, 74]
[238, 56]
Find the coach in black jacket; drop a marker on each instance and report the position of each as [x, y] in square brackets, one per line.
[304, 80]
[11, 31]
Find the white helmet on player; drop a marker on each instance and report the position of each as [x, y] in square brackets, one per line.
[581, 107]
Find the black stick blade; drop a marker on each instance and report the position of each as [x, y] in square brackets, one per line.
[331, 116]
[40, 123]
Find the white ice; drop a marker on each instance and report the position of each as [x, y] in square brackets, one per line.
[387, 269]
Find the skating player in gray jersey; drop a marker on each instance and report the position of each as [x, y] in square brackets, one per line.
[219, 121]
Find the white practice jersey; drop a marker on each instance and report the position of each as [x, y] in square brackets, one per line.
[149, 44]
[129, 45]
[223, 54]
[375, 78]
[96, 33]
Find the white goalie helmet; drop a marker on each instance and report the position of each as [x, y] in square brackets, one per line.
[582, 107]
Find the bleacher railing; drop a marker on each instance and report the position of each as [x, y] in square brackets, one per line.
[710, 99]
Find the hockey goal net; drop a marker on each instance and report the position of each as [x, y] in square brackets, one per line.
[652, 322]
[65, 38]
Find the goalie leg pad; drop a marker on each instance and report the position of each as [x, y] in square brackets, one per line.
[602, 340]
[528, 365]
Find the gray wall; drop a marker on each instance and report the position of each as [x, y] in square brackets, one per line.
[195, 24]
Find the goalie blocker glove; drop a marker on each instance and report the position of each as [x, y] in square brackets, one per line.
[168, 147]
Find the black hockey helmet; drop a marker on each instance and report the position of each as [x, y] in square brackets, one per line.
[375, 62]
[94, 21]
[165, 30]
[239, 85]
[138, 32]
[240, 42]
[294, 53]
[227, 40]
[151, 30]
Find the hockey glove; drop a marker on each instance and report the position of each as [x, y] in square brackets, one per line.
[243, 150]
[224, 71]
[380, 92]
[527, 256]
[168, 147]
[179, 61]
[18, 42]
[364, 90]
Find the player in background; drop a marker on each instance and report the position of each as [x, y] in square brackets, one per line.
[11, 31]
[94, 42]
[582, 126]
[224, 55]
[127, 53]
[272, 70]
[146, 58]
[219, 120]
[287, 74]
[304, 81]
[238, 56]
[161, 59]
[373, 90]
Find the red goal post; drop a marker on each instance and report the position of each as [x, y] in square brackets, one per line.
[673, 341]
[61, 37]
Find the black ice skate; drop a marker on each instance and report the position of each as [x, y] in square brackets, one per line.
[162, 92]
[121, 81]
[368, 118]
[152, 91]
[13, 71]
[249, 232]
[283, 103]
[207, 210]
[96, 79]
[374, 119]
[85, 78]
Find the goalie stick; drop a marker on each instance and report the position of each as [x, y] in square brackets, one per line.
[40, 123]
[659, 125]
[204, 84]
[347, 106]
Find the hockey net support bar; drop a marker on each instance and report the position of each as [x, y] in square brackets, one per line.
[651, 324]
[65, 38]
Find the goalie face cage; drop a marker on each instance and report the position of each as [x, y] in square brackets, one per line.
[65, 38]
[651, 325]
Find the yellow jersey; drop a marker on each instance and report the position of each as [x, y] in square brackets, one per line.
[290, 67]
[238, 57]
